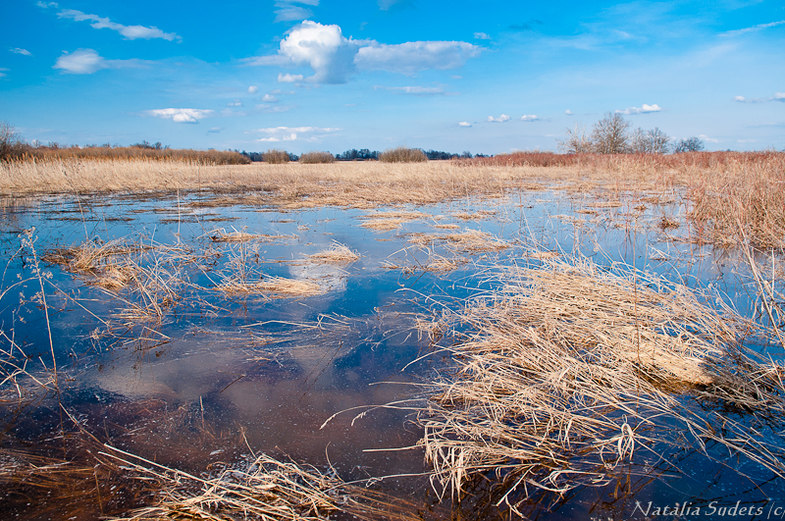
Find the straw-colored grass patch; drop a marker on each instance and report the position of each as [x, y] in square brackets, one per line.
[274, 286]
[336, 254]
[570, 370]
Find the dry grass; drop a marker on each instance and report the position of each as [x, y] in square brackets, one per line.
[267, 489]
[471, 241]
[335, 254]
[106, 153]
[570, 371]
[720, 188]
[222, 236]
[275, 286]
[386, 221]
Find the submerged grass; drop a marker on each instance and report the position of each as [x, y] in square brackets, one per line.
[570, 370]
[336, 254]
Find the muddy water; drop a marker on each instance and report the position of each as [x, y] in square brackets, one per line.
[220, 376]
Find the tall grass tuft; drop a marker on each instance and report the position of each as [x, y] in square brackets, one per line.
[317, 157]
[403, 155]
[275, 157]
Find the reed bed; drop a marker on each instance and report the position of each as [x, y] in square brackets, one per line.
[570, 372]
[471, 241]
[222, 236]
[275, 286]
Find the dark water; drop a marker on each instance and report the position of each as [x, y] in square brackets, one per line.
[221, 375]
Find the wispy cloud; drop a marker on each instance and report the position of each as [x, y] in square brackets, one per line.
[501, 119]
[181, 115]
[708, 139]
[568, 112]
[3, 71]
[530, 117]
[334, 57]
[293, 10]
[130, 32]
[643, 109]
[464, 124]
[481, 36]
[778, 96]
[19, 50]
[88, 61]
[269, 98]
[753, 29]
[279, 134]
[415, 90]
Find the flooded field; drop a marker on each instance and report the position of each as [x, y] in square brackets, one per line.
[153, 343]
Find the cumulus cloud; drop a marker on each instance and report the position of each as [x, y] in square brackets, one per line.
[290, 78]
[269, 98]
[530, 117]
[568, 112]
[253, 89]
[334, 57]
[501, 119]
[464, 124]
[181, 115]
[19, 50]
[643, 109]
[130, 32]
[81, 61]
[279, 134]
[481, 36]
[415, 90]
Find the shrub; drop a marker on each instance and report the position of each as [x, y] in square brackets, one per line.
[275, 157]
[403, 155]
[317, 157]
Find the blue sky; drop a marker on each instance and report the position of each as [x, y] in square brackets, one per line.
[488, 77]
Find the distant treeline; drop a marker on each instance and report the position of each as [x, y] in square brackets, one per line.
[365, 154]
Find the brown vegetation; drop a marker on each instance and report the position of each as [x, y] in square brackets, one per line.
[275, 157]
[106, 153]
[317, 157]
[403, 155]
[569, 371]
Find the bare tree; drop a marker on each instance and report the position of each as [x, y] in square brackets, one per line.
[653, 141]
[609, 135]
[576, 142]
[8, 139]
[692, 144]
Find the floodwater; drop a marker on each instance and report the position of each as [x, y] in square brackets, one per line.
[217, 377]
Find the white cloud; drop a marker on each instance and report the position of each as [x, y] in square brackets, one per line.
[416, 90]
[708, 139]
[19, 50]
[215, 130]
[643, 109]
[754, 28]
[568, 112]
[778, 96]
[87, 61]
[290, 11]
[235, 103]
[290, 78]
[3, 71]
[386, 5]
[530, 117]
[411, 57]
[278, 134]
[130, 32]
[181, 115]
[464, 124]
[333, 57]
[81, 61]
[481, 36]
[269, 98]
[253, 89]
[501, 119]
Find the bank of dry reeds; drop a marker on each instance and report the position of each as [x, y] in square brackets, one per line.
[317, 157]
[107, 153]
[403, 155]
[571, 371]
